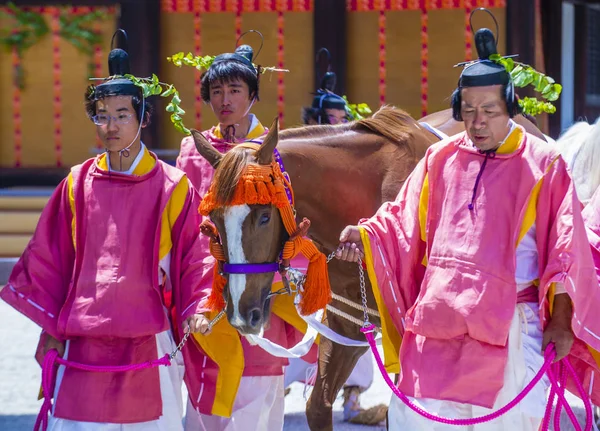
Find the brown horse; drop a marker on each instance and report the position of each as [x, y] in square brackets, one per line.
[339, 175]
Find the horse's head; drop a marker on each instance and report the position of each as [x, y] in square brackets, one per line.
[249, 224]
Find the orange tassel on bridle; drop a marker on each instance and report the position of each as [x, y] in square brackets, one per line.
[266, 185]
[215, 300]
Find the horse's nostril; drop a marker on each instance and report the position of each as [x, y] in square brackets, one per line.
[254, 317]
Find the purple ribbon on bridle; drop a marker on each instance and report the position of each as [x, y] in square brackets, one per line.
[250, 268]
[285, 174]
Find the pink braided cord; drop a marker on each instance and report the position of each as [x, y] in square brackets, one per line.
[48, 378]
[557, 389]
[165, 360]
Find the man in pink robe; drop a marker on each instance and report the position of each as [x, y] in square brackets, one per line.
[482, 261]
[230, 86]
[118, 236]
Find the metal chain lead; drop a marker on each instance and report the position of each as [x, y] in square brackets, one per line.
[187, 333]
[299, 281]
[363, 287]
[363, 292]
[331, 256]
[181, 343]
[217, 318]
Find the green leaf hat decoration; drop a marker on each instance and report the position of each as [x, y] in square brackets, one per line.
[523, 75]
[488, 70]
[153, 87]
[204, 62]
[357, 111]
[122, 82]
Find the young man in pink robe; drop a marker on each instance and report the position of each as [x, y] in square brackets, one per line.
[230, 86]
[482, 261]
[117, 236]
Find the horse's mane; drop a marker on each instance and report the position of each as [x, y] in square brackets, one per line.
[228, 173]
[389, 122]
[580, 147]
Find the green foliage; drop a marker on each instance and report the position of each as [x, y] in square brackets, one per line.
[532, 106]
[358, 111]
[524, 75]
[204, 62]
[153, 87]
[199, 62]
[76, 30]
[31, 27]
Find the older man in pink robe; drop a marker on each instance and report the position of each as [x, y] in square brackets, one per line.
[482, 261]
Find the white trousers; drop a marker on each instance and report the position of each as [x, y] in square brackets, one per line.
[524, 361]
[171, 379]
[361, 376]
[258, 406]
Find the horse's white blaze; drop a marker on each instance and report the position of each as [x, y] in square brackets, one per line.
[234, 220]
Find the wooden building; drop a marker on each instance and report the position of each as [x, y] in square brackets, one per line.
[399, 52]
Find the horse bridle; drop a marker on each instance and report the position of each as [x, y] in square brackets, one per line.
[269, 267]
[261, 268]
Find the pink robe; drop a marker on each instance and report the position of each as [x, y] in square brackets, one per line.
[591, 217]
[197, 169]
[454, 313]
[202, 375]
[103, 295]
[587, 366]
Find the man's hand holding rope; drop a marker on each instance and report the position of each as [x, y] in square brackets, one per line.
[350, 248]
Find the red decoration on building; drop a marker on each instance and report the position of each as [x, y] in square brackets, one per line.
[280, 65]
[198, 9]
[424, 60]
[382, 54]
[17, 120]
[56, 81]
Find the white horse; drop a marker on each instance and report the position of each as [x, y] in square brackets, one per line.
[580, 147]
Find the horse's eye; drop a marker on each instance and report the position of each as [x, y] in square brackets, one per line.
[264, 219]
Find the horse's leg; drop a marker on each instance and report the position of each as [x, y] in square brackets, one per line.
[336, 362]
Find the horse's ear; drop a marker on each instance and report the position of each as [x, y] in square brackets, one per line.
[264, 154]
[206, 149]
